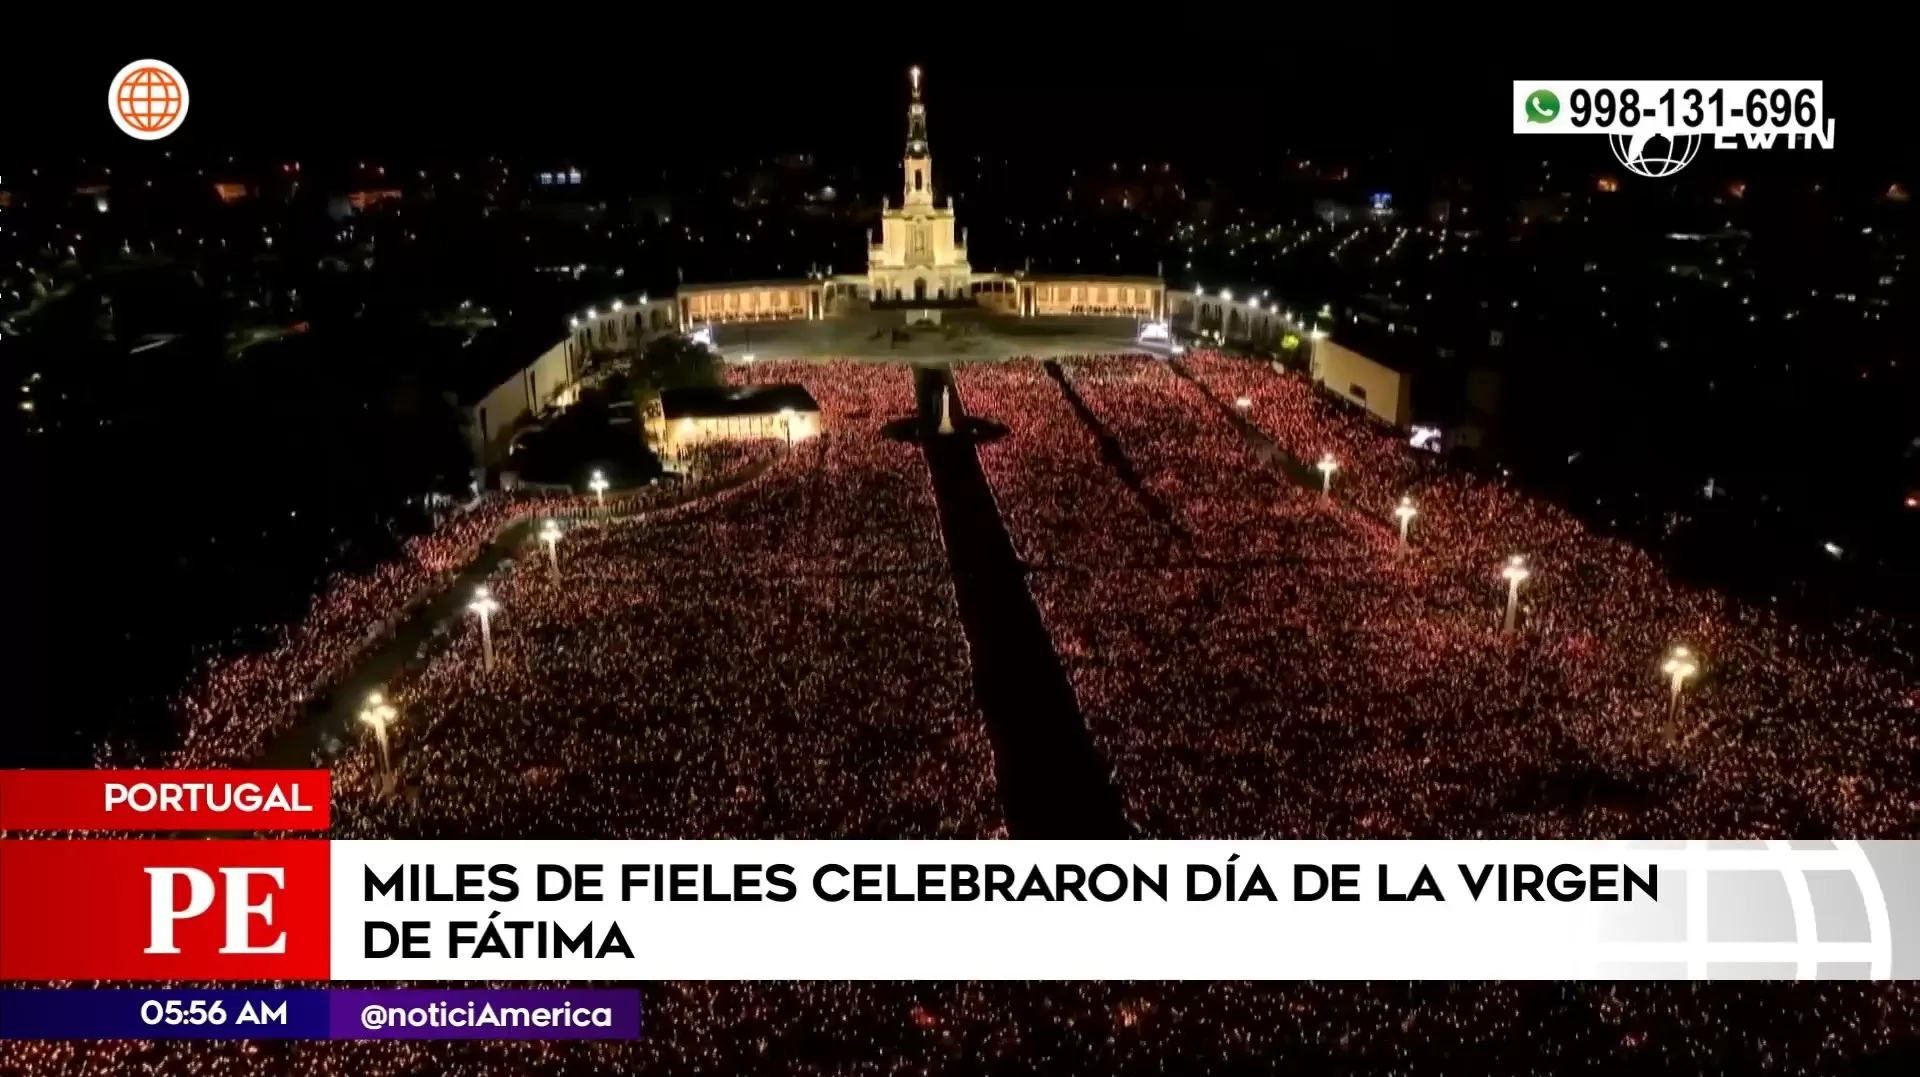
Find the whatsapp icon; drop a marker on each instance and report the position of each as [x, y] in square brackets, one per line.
[1542, 106]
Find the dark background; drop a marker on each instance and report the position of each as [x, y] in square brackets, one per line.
[1216, 90]
[1202, 84]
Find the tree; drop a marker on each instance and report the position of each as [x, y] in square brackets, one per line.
[673, 362]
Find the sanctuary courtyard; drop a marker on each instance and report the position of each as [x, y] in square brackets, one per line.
[884, 336]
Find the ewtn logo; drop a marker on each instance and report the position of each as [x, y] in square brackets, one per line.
[1821, 139]
[1653, 154]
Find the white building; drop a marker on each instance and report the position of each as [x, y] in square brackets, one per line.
[917, 256]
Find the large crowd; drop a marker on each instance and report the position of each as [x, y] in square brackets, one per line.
[1289, 671]
[1253, 658]
[781, 660]
[234, 708]
[1057, 508]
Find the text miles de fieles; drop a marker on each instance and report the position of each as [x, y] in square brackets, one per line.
[1232, 880]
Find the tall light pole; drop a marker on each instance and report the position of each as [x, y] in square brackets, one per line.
[1679, 666]
[1405, 512]
[1515, 572]
[377, 713]
[550, 534]
[598, 484]
[1327, 465]
[484, 604]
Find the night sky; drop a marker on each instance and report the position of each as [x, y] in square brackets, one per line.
[1215, 87]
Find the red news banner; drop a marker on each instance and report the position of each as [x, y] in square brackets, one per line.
[164, 800]
[109, 910]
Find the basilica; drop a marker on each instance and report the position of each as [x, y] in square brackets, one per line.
[917, 258]
[918, 265]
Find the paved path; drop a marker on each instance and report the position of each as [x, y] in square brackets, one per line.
[1053, 782]
[335, 714]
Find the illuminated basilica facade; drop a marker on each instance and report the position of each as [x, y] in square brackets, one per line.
[917, 257]
[920, 258]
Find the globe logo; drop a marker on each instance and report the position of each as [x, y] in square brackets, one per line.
[1761, 910]
[1654, 155]
[148, 99]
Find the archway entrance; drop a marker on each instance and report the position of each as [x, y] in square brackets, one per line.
[920, 289]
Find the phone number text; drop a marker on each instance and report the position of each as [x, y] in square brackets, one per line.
[1702, 107]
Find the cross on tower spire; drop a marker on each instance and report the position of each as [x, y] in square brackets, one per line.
[916, 119]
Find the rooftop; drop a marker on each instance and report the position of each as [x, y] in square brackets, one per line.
[748, 285]
[470, 364]
[736, 400]
[1085, 278]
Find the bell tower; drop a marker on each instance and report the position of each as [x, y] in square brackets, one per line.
[916, 256]
[918, 172]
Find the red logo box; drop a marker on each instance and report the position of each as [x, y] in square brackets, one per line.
[165, 910]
